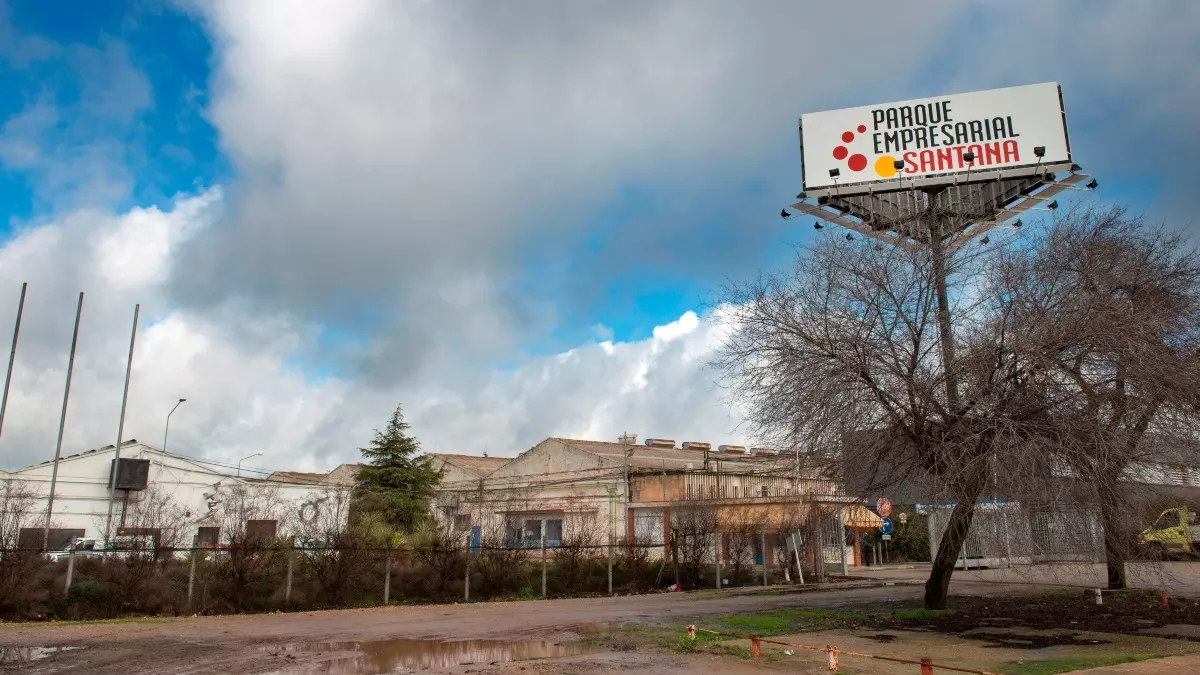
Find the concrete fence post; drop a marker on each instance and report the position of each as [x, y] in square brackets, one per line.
[192, 575]
[467, 572]
[610, 563]
[387, 578]
[762, 541]
[287, 588]
[717, 558]
[543, 561]
[70, 572]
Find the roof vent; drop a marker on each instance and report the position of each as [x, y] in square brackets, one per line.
[763, 451]
[660, 442]
[731, 448]
[627, 438]
[696, 445]
[752, 451]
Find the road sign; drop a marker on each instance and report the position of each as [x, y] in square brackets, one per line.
[903, 517]
[886, 527]
[884, 506]
[887, 537]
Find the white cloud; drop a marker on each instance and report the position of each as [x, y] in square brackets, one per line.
[236, 366]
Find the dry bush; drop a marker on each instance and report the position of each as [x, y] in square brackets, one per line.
[693, 532]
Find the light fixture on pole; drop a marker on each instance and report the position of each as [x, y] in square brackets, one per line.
[167, 427]
[239, 464]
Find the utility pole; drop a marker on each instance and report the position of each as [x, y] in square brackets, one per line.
[116, 470]
[12, 355]
[62, 422]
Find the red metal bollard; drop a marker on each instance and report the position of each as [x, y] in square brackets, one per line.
[1164, 599]
[926, 666]
[755, 647]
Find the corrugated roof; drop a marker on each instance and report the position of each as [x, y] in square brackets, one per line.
[480, 466]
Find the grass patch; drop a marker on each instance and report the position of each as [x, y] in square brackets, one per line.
[921, 613]
[786, 621]
[1066, 665]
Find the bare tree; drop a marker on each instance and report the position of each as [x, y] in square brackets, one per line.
[692, 534]
[1110, 313]
[578, 548]
[843, 355]
[250, 518]
[17, 567]
[336, 552]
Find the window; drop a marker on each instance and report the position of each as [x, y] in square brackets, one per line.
[554, 532]
[712, 492]
[207, 537]
[533, 533]
[512, 533]
[648, 526]
[59, 539]
[1169, 519]
[260, 530]
[737, 491]
[462, 522]
[1179, 475]
[764, 491]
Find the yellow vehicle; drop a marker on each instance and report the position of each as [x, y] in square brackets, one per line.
[1175, 533]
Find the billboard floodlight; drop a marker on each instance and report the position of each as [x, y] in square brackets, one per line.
[1091, 184]
[1017, 223]
[1039, 151]
[968, 157]
[984, 241]
[818, 226]
[849, 237]
[783, 214]
[899, 164]
[834, 173]
[801, 196]
[1052, 205]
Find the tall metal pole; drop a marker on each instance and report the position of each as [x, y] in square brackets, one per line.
[112, 492]
[62, 422]
[167, 427]
[937, 247]
[12, 355]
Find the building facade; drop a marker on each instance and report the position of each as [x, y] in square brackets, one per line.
[595, 493]
[173, 500]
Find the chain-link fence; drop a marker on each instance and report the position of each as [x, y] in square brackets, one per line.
[257, 578]
[1006, 533]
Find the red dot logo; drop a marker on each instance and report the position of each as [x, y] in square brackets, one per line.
[857, 162]
[862, 128]
[840, 152]
[848, 137]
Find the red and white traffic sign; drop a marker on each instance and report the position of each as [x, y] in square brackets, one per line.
[884, 506]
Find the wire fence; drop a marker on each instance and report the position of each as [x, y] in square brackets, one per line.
[92, 584]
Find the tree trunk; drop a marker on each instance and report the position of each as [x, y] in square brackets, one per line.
[1114, 543]
[937, 587]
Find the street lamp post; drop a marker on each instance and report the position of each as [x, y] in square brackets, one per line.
[239, 464]
[167, 428]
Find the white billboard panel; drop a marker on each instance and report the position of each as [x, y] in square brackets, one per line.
[1001, 127]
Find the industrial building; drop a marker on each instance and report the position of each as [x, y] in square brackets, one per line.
[623, 492]
[174, 499]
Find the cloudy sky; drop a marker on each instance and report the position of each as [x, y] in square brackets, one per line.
[511, 217]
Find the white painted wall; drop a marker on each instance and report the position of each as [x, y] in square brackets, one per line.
[199, 491]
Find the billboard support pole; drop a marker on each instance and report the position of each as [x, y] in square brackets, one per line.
[62, 422]
[12, 355]
[112, 491]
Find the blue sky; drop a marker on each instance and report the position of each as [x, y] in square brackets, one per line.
[437, 200]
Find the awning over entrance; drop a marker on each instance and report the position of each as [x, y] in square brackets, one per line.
[858, 515]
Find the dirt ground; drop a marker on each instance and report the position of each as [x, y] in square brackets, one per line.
[312, 642]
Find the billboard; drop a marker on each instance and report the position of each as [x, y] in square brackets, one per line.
[856, 150]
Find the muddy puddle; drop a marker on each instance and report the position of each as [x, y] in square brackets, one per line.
[407, 656]
[9, 655]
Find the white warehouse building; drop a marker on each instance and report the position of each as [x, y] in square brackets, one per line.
[178, 501]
